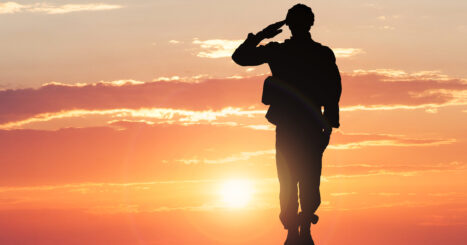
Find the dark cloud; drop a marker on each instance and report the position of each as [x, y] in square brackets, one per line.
[210, 94]
[359, 89]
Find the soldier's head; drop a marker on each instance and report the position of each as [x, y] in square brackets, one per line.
[300, 18]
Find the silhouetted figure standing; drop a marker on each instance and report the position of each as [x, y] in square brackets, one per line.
[305, 81]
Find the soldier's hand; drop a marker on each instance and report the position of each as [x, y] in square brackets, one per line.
[272, 30]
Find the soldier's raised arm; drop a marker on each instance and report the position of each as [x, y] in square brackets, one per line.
[249, 53]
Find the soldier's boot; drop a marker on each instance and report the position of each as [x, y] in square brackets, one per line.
[305, 224]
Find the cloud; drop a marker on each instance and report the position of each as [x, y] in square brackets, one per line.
[344, 171]
[382, 17]
[116, 83]
[386, 89]
[347, 52]
[387, 194]
[400, 75]
[444, 194]
[216, 48]
[371, 90]
[447, 223]
[242, 156]
[114, 209]
[398, 142]
[125, 197]
[139, 153]
[94, 185]
[69, 8]
[120, 118]
[378, 27]
[13, 7]
[56, 98]
[188, 79]
[10, 8]
[221, 48]
[268, 127]
[343, 194]
[387, 27]
[346, 141]
[385, 17]
[143, 153]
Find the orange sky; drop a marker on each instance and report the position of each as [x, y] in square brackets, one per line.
[121, 121]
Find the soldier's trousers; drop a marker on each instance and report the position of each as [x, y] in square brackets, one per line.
[299, 154]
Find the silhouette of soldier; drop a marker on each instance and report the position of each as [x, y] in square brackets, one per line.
[303, 93]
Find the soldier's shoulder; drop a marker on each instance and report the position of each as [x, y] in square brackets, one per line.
[323, 48]
[326, 51]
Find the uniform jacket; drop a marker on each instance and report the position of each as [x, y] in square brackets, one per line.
[305, 79]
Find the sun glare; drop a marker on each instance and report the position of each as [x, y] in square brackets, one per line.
[236, 193]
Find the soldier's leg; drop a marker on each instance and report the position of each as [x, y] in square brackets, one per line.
[309, 182]
[288, 193]
[310, 198]
[310, 178]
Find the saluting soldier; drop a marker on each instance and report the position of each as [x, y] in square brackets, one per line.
[303, 93]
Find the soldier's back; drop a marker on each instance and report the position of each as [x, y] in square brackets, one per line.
[302, 67]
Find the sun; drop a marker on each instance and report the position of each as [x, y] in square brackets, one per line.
[236, 193]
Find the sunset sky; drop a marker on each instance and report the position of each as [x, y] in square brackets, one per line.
[126, 122]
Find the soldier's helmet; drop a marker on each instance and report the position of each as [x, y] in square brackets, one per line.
[300, 15]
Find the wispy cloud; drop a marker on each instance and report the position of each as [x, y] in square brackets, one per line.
[220, 48]
[401, 75]
[186, 79]
[381, 17]
[97, 185]
[346, 141]
[388, 89]
[387, 194]
[384, 89]
[450, 97]
[55, 97]
[116, 83]
[11, 7]
[338, 194]
[444, 194]
[347, 52]
[378, 27]
[118, 117]
[242, 156]
[216, 48]
[399, 143]
[112, 193]
[47, 8]
[403, 170]
[267, 127]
